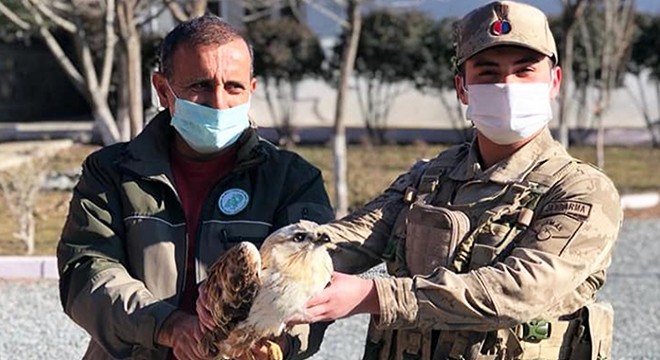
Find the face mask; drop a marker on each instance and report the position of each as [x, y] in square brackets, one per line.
[508, 113]
[208, 130]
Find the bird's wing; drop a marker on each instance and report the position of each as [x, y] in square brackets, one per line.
[232, 284]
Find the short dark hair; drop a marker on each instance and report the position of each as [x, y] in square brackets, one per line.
[204, 30]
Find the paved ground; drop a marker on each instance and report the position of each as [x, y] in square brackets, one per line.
[32, 325]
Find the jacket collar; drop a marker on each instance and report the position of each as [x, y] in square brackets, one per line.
[149, 153]
[511, 169]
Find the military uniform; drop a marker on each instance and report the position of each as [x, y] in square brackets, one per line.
[497, 263]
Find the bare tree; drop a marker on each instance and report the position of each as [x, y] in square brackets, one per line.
[437, 71]
[391, 50]
[645, 66]
[571, 16]
[352, 26]
[641, 102]
[376, 98]
[191, 9]
[130, 114]
[20, 186]
[90, 77]
[285, 52]
[618, 30]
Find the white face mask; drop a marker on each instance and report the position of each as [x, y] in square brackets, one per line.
[508, 113]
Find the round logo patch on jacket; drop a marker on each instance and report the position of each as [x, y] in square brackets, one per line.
[233, 201]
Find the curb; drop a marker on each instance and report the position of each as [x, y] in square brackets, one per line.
[28, 267]
[640, 201]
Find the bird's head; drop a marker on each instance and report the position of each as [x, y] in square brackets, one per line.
[304, 236]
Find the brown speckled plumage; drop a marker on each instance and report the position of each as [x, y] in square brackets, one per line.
[252, 294]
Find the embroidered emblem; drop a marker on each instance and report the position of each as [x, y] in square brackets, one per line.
[547, 229]
[501, 26]
[233, 201]
[575, 209]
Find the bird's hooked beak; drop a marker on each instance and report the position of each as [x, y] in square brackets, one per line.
[321, 239]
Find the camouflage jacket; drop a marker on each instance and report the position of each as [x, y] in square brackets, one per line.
[555, 266]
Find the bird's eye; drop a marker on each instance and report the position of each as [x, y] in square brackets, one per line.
[299, 237]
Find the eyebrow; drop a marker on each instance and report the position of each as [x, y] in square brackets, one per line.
[529, 59]
[197, 80]
[492, 63]
[485, 63]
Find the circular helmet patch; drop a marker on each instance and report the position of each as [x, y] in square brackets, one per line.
[500, 27]
[233, 201]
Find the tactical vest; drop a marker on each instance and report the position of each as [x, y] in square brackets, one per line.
[431, 232]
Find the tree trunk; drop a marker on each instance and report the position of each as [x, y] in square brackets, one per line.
[572, 15]
[27, 231]
[132, 62]
[349, 51]
[135, 84]
[193, 9]
[644, 108]
[123, 118]
[655, 128]
[600, 144]
[198, 8]
[104, 122]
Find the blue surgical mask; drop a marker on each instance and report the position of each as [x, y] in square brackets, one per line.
[208, 130]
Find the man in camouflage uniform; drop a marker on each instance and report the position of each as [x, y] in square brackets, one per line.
[496, 248]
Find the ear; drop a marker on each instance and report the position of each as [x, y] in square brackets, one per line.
[253, 85]
[162, 89]
[556, 82]
[461, 94]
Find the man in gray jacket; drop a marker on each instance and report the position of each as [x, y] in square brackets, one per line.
[148, 217]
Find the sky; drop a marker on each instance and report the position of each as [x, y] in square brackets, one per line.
[323, 26]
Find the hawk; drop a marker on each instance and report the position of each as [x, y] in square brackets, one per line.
[252, 293]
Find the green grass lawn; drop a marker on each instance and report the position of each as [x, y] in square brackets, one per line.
[370, 170]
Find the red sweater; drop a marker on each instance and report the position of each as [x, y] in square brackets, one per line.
[194, 180]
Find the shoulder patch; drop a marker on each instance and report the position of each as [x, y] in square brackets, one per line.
[233, 201]
[576, 209]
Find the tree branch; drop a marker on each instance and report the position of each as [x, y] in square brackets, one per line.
[61, 5]
[328, 13]
[149, 18]
[256, 15]
[59, 54]
[196, 8]
[15, 19]
[109, 49]
[176, 10]
[88, 69]
[67, 25]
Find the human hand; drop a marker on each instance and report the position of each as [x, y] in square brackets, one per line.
[182, 332]
[345, 296]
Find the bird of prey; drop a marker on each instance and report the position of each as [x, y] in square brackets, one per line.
[251, 293]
